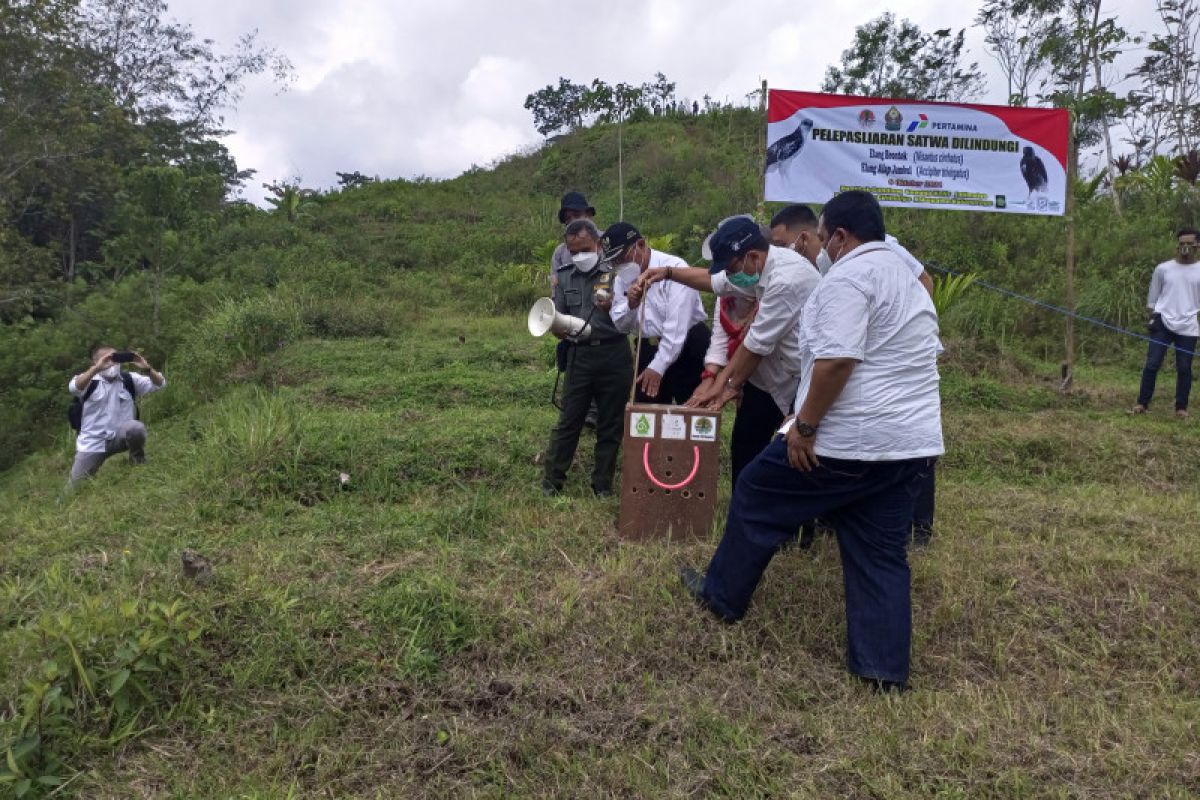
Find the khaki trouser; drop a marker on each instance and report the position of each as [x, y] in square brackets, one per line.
[130, 436]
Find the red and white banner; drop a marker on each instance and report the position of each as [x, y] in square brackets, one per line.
[917, 154]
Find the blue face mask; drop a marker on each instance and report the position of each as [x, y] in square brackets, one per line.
[742, 280]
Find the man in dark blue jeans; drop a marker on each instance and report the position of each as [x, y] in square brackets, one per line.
[1173, 302]
[867, 425]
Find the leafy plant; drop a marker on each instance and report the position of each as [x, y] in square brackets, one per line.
[947, 290]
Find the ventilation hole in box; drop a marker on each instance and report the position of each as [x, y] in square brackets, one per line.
[686, 494]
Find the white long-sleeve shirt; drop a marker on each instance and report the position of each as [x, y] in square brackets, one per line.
[109, 406]
[671, 311]
[1175, 295]
[786, 282]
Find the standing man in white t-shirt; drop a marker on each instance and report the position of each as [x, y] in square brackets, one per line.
[674, 336]
[1173, 302]
[867, 423]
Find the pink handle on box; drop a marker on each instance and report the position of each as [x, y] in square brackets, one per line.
[681, 484]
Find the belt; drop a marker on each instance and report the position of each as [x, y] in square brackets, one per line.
[597, 342]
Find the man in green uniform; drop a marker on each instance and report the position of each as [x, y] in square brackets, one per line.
[599, 366]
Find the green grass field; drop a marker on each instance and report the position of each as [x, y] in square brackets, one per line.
[436, 628]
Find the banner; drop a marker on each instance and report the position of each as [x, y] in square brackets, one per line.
[917, 154]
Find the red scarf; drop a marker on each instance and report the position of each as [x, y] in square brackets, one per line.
[735, 331]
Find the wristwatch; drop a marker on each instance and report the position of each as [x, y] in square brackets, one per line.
[805, 430]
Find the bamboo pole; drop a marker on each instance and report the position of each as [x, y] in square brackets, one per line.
[1068, 367]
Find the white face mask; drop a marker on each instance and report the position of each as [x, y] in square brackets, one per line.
[111, 373]
[824, 262]
[585, 262]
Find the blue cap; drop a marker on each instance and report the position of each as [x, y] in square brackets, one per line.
[732, 239]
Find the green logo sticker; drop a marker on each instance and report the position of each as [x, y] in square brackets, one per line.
[704, 429]
[643, 426]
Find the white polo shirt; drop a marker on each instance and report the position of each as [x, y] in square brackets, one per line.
[107, 409]
[671, 311]
[870, 309]
[786, 283]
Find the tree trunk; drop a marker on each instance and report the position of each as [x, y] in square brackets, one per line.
[1108, 151]
[70, 255]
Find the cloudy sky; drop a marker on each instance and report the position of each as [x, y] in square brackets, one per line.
[430, 87]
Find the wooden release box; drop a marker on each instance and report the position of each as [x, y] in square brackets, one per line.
[670, 463]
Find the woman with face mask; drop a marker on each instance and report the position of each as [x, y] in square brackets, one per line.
[599, 366]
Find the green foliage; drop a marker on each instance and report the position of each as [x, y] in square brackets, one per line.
[947, 289]
[107, 670]
[897, 59]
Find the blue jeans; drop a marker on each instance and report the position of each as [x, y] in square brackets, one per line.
[1163, 338]
[869, 504]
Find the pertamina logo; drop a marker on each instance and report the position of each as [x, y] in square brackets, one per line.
[922, 121]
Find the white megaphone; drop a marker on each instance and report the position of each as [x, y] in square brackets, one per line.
[544, 317]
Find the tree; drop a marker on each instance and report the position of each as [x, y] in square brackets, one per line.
[660, 91]
[1017, 41]
[890, 59]
[352, 180]
[557, 108]
[162, 215]
[289, 199]
[1164, 107]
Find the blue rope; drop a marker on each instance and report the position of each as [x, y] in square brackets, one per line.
[1057, 309]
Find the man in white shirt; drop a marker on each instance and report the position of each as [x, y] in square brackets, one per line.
[764, 370]
[1173, 302]
[674, 336]
[867, 422]
[108, 424]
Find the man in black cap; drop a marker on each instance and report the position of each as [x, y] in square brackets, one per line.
[599, 365]
[573, 206]
[674, 336]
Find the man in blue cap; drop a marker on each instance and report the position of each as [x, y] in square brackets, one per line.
[867, 424]
[764, 370]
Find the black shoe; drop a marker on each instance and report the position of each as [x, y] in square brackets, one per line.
[550, 491]
[602, 493]
[921, 535]
[138, 461]
[880, 686]
[693, 582]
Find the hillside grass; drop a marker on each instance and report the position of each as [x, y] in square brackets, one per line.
[434, 627]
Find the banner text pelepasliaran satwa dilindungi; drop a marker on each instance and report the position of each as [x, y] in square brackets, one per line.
[916, 153]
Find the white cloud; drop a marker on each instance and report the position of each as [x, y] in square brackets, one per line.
[433, 86]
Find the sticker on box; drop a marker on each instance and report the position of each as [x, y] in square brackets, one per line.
[704, 429]
[642, 425]
[674, 426]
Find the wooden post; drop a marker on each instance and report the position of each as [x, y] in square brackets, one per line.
[762, 153]
[1068, 367]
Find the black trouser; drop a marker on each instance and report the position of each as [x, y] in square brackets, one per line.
[682, 377]
[602, 373]
[757, 419]
[922, 520]
[1163, 338]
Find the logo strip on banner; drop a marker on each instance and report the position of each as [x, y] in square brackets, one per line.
[917, 154]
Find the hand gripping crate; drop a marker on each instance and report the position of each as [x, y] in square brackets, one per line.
[669, 471]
